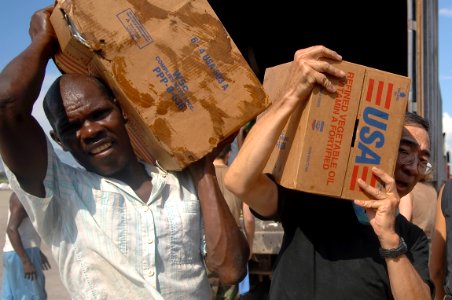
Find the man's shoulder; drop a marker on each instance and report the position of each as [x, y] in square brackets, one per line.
[302, 197]
[409, 230]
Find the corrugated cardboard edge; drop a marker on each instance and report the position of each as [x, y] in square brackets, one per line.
[77, 56]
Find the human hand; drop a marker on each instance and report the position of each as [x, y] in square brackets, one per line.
[310, 67]
[383, 210]
[45, 262]
[205, 164]
[30, 271]
[40, 26]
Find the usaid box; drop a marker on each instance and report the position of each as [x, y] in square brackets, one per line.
[336, 138]
[171, 64]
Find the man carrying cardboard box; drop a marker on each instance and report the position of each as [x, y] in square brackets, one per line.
[329, 250]
[120, 228]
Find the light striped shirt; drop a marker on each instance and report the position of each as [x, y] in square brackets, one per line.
[109, 244]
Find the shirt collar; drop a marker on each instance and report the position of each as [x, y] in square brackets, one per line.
[156, 172]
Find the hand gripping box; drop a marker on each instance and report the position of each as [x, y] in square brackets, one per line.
[336, 138]
[171, 64]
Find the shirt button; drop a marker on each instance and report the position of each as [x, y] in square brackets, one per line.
[150, 241]
[151, 273]
[145, 208]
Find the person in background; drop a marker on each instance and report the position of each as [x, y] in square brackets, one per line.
[249, 224]
[220, 163]
[406, 206]
[441, 247]
[419, 206]
[23, 260]
[327, 252]
[119, 228]
[424, 198]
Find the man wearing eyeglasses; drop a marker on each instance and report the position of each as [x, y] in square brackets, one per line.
[329, 249]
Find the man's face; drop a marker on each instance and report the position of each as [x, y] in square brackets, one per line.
[92, 127]
[414, 153]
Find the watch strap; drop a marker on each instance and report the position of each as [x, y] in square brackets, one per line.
[394, 252]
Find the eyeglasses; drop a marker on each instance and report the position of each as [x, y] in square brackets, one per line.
[406, 157]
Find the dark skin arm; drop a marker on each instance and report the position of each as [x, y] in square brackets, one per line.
[18, 214]
[227, 247]
[25, 151]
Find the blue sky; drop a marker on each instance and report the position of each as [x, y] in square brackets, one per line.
[15, 16]
[445, 66]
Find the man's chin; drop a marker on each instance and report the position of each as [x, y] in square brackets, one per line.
[107, 166]
[106, 171]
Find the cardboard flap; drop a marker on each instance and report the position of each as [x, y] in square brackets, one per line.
[275, 80]
[74, 54]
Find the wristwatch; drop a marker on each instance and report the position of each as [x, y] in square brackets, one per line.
[394, 252]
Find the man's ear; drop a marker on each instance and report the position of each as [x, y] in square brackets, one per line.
[57, 139]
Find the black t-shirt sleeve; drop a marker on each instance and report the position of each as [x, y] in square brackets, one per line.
[418, 248]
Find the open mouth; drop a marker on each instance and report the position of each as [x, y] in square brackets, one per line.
[100, 148]
[401, 183]
[401, 186]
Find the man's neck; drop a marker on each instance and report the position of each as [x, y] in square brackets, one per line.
[138, 179]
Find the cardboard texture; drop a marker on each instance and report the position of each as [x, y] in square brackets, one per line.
[173, 67]
[337, 138]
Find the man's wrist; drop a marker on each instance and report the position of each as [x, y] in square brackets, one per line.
[394, 252]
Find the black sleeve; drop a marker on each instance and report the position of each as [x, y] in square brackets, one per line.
[418, 248]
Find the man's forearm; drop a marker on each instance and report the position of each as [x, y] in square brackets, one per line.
[22, 78]
[227, 247]
[18, 247]
[406, 283]
[25, 152]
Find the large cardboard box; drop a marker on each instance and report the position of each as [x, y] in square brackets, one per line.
[336, 138]
[173, 67]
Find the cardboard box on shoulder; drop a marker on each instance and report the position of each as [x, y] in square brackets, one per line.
[173, 67]
[336, 138]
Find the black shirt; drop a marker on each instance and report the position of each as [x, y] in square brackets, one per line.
[327, 254]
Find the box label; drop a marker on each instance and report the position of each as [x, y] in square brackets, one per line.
[339, 119]
[380, 121]
[134, 27]
[337, 138]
